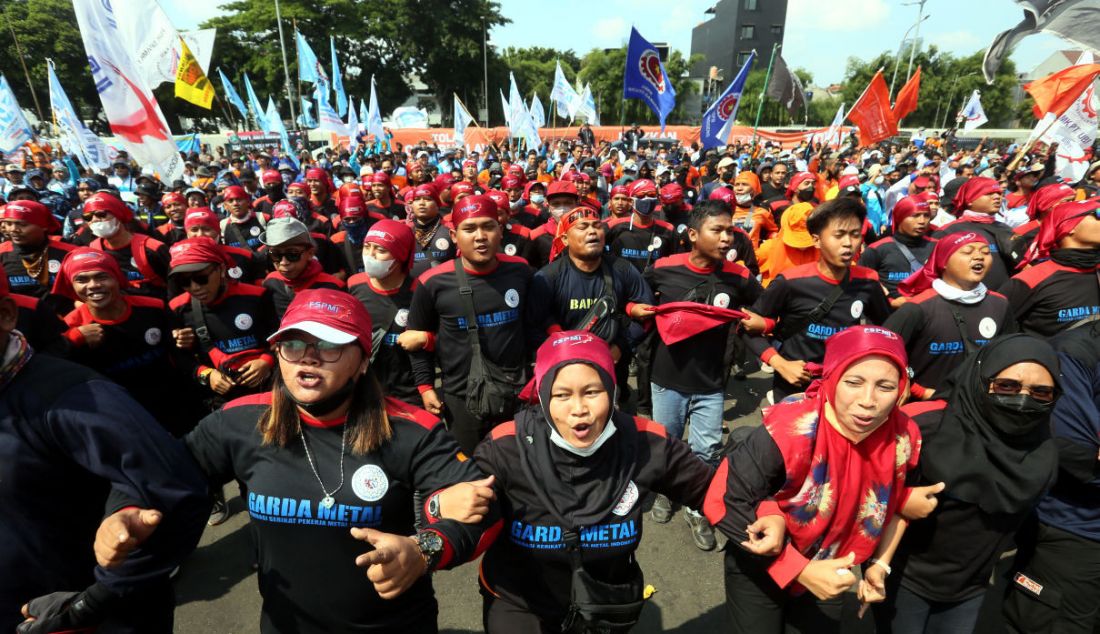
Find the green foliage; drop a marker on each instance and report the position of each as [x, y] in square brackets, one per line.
[773, 113]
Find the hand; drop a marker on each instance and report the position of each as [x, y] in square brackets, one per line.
[220, 383]
[793, 372]
[393, 565]
[828, 578]
[185, 338]
[766, 536]
[616, 353]
[432, 402]
[254, 373]
[922, 501]
[93, 334]
[467, 502]
[412, 340]
[641, 311]
[896, 302]
[929, 394]
[67, 611]
[753, 324]
[122, 532]
[872, 589]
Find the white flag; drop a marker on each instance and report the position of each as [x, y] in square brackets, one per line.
[972, 115]
[127, 98]
[353, 126]
[518, 116]
[833, 135]
[374, 116]
[462, 121]
[562, 94]
[1074, 131]
[201, 45]
[327, 118]
[586, 106]
[14, 129]
[507, 110]
[150, 38]
[537, 113]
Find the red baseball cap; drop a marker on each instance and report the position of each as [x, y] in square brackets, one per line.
[330, 315]
[353, 205]
[270, 176]
[195, 254]
[562, 188]
[234, 191]
[201, 217]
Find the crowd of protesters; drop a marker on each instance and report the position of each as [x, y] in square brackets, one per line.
[408, 358]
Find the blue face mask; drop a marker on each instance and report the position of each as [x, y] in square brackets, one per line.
[537, 199]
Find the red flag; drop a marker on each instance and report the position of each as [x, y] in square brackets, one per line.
[677, 321]
[871, 113]
[1057, 92]
[907, 97]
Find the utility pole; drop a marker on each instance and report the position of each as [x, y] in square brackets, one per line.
[916, 38]
[485, 68]
[26, 73]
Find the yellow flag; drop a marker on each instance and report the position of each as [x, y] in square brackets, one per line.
[191, 83]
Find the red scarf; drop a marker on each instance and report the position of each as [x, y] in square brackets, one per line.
[303, 281]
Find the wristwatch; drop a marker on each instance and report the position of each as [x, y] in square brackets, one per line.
[431, 548]
[433, 508]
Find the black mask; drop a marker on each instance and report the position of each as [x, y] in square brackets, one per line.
[805, 195]
[327, 404]
[1017, 414]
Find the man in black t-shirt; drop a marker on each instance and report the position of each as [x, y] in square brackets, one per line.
[905, 252]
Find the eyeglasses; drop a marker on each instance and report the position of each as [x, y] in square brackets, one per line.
[293, 350]
[1041, 393]
[289, 256]
[200, 278]
[98, 215]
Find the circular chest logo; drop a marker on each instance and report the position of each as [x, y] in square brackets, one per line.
[235, 272]
[54, 266]
[722, 300]
[987, 327]
[370, 483]
[442, 244]
[629, 499]
[510, 249]
[254, 231]
[402, 317]
[152, 336]
[133, 263]
[511, 297]
[680, 228]
[731, 255]
[857, 309]
[243, 321]
[657, 242]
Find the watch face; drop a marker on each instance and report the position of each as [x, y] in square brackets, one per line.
[430, 542]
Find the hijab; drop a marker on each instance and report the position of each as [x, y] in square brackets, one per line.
[989, 453]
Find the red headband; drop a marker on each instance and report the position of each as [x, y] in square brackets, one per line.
[909, 206]
[974, 189]
[173, 197]
[426, 191]
[84, 260]
[565, 224]
[201, 217]
[921, 280]
[1058, 223]
[474, 207]
[33, 212]
[234, 192]
[200, 250]
[106, 202]
[395, 237]
[1044, 198]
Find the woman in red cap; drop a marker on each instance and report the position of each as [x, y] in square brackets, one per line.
[1059, 290]
[906, 250]
[385, 288]
[977, 204]
[354, 222]
[30, 258]
[534, 573]
[331, 465]
[949, 313]
[144, 260]
[816, 490]
[320, 193]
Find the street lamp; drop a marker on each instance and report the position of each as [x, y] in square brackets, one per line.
[897, 58]
[916, 38]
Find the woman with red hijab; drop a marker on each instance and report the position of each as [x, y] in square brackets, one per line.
[826, 473]
[978, 202]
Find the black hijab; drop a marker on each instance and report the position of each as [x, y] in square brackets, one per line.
[997, 457]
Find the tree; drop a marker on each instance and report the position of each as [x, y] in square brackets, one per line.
[773, 113]
[603, 68]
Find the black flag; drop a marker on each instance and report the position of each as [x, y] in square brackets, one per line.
[786, 88]
[1075, 20]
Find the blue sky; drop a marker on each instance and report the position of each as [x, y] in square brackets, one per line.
[821, 34]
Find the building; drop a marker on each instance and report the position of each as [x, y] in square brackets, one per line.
[732, 29]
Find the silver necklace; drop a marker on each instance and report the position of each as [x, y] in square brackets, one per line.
[328, 501]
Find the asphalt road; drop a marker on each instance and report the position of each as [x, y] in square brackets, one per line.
[217, 593]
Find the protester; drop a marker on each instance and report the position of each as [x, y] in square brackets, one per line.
[31, 260]
[905, 252]
[640, 239]
[977, 203]
[792, 247]
[143, 259]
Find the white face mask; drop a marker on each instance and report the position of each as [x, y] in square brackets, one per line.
[377, 268]
[105, 228]
[537, 199]
[743, 199]
[879, 180]
[560, 210]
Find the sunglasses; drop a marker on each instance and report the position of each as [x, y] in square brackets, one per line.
[293, 350]
[98, 215]
[1041, 393]
[289, 256]
[200, 278]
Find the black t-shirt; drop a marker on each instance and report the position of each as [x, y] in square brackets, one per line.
[641, 246]
[144, 262]
[239, 323]
[389, 311]
[498, 296]
[696, 365]
[306, 555]
[20, 281]
[886, 258]
[1050, 297]
[438, 249]
[542, 240]
[516, 240]
[244, 234]
[933, 338]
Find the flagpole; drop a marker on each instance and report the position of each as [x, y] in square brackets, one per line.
[23, 63]
[298, 56]
[286, 67]
[760, 106]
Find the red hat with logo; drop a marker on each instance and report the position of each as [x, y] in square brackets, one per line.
[380, 177]
[461, 188]
[425, 190]
[301, 188]
[173, 197]
[620, 190]
[234, 192]
[504, 204]
[642, 187]
[908, 206]
[671, 193]
[270, 176]
[562, 188]
[922, 279]
[725, 194]
[103, 201]
[33, 212]
[196, 254]
[353, 205]
[201, 217]
[475, 206]
[395, 237]
[84, 260]
[330, 315]
[564, 348]
[511, 181]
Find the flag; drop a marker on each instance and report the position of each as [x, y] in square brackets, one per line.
[906, 102]
[327, 118]
[1074, 132]
[833, 135]
[337, 81]
[201, 43]
[128, 100]
[537, 113]
[373, 122]
[191, 83]
[353, 127]
[150, 38]
[587, 107]
[462, 119]
[75, 138]
[309, 67]
[517, 110]
[14, 129]
[718, 119]
[254, 103]
[786, 88]
[1075, 20]
[871, 113]
[232, 97]
[306, 119]
[275, 121]
[507, 110]
[645, 77]
[972, 115]
[363, 112]
[1055, 93]
[562, 94]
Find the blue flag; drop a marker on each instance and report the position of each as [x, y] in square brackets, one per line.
[254, 103]
[645, 77]
[14, 129]
[719, 117]
[232, 97]
[306, 119]
[337, 81]
[309, 67]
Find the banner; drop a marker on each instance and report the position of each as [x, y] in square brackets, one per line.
[871, 113]
[1074, 132]
[408, 117]
[721, 114]
[152, 41]
[507, 109]
[128, 100]
[232, 97]
[76, 139]
[275, 121]
[337, 81]
[309, 67]
[191, 83]
[645, 77]
[14, 129]
[585, 106]
[327, 118]
[189, 144]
